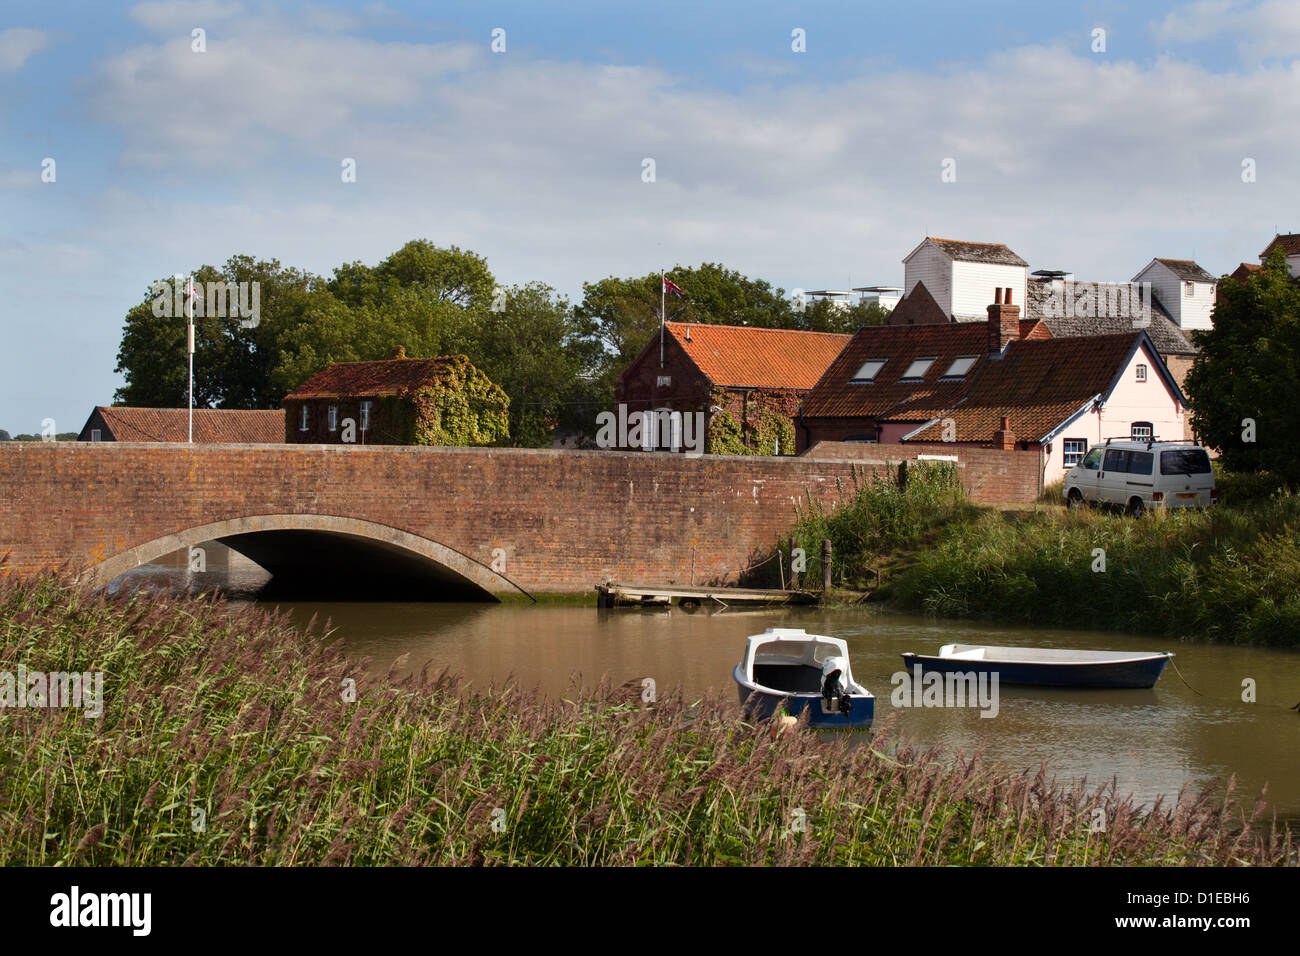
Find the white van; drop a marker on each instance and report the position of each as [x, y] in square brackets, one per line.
[1137, 475]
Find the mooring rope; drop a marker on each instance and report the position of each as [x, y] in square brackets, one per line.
[1181, 677]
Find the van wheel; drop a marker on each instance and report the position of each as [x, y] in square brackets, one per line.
[1074, 500]
[1136, 508]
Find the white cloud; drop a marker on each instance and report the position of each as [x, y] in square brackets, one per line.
[1261, 30]
[182, 16]
[17, 45]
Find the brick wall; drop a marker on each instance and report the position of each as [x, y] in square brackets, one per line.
[989, 475]
[565, 519]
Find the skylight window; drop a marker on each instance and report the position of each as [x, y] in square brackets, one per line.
[918, 368]
[870, 369]
[960, 366]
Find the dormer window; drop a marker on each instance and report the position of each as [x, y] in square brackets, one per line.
[960, 366]
[870, 369]
[916, 371]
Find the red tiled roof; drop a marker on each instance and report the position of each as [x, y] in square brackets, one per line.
[367, 379]
[836, 397]
[211, 425]
[1034, 329]
[739, 356]
[1290, 243]
[1037, 385]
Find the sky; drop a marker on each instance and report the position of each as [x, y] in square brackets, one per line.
[1172, 132]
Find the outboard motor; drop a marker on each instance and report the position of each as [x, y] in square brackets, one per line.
[834, 687]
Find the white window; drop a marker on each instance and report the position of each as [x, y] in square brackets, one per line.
[870, 369]
[918, 368]
[1074, 449]
[302, 421]
[1142, 431]
[365, 415]
[960, 366]
[663, 380]
[334, 418]
[1189, 289]
[94, 434]
[1141, 372]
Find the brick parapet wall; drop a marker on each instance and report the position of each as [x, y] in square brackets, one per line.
[989, 475]
[565, 519]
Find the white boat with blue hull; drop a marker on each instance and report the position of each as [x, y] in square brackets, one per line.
[787, 671]
[1052, 667]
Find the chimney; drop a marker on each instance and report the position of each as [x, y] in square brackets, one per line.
[1004, 321]
[398, 352]
[1004, 437]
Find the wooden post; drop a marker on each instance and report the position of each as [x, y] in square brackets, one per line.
[794, 575]
[826, 566]
[780, 565]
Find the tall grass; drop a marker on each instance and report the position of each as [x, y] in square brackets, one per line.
[239, 715]
[1227, 574]
[884, 514]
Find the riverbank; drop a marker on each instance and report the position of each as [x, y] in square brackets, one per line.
[231, 737]
[1230, 573]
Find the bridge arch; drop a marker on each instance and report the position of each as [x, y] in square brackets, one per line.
[329, 549]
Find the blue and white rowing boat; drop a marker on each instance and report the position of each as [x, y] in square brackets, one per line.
[787, 671]
[1055, 667]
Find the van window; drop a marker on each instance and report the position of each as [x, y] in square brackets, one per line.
[1116, 460]
[1139, 462]
[1093, 459]
[1185, 461]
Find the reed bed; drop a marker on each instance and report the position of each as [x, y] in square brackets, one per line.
[237, 720]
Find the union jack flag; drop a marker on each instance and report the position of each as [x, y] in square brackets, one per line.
[671, 287]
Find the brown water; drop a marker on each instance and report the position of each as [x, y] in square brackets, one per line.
[1152, 741]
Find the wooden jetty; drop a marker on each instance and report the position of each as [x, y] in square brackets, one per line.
[611, 594]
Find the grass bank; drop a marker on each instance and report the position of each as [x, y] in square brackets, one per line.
[1229, 573]
[235, 720]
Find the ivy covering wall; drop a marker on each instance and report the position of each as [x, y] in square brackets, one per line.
[769, 426]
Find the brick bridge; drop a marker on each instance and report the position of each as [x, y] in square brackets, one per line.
[421, 522]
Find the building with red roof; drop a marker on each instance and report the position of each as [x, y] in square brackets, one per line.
[747, 381]
[212, 426]
[443, 400]
[988, 385]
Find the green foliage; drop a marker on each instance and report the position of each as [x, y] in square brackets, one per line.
[1249, 368]
[238, 714]
[1229, 574]
[885, 513]
[465, 408]
[724, 436]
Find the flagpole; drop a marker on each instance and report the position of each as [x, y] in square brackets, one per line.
[662, 308]
[189, 342]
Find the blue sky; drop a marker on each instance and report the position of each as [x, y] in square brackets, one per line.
[811, 169]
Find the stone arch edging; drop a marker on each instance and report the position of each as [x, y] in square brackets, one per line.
[484, 577]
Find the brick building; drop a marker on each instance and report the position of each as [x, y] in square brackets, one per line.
[997, 384]
[212, 426]
[398, 401]
[747, 381]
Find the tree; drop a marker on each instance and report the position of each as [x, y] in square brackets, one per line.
[234, 360]
[1244, 382]
[533, 349]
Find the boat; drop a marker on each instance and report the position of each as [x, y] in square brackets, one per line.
[1055, 667]
[788, 672]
